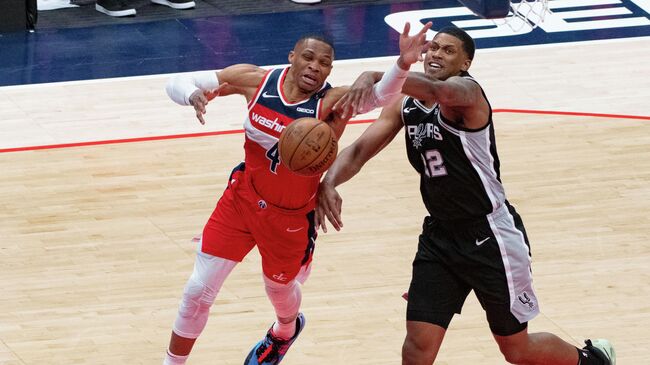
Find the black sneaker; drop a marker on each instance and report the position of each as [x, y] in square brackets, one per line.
[603, 349]
[114, 8]
[176, 4]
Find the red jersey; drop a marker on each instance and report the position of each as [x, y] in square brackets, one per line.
[268, 114]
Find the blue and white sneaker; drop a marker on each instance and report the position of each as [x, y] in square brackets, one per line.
[271, 349]
[603, 349]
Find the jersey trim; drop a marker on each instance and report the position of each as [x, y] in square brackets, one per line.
[260, 87]
[485, 180]
[319, 109]
[423, 107]
[446, 126]
[283, 98]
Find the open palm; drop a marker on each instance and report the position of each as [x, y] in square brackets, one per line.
[412, 47]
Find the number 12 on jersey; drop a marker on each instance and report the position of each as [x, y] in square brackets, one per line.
[434, 165]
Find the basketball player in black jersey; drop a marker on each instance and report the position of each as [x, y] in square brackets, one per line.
[473, 239]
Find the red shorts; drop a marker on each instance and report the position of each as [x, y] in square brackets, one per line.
[241, 220]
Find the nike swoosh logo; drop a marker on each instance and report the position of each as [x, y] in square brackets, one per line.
[408, 110]
[294, 230]
[478, 243]
[267, 95]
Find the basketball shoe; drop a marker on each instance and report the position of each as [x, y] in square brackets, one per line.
[603, 349]
[271, 349]
[176, 4]
[117, 8]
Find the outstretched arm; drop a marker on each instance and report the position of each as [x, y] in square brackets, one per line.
[454, 92]
[198, 88]
[350, 161]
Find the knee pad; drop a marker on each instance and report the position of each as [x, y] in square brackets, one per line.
[200, 293]
[285, 298]
[194, 309]
[303, 274]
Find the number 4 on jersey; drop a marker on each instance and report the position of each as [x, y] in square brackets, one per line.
[274, 155]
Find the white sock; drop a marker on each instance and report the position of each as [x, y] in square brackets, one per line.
[171, 359]
[284, 330]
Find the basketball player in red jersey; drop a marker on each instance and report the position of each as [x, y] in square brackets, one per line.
[264, 204]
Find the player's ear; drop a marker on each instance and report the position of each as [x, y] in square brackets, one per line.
[292, 55]
[466, 65]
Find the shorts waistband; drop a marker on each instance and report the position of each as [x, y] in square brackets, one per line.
[264, 204]
[500, 212]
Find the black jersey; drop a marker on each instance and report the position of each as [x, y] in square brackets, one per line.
[459, 168]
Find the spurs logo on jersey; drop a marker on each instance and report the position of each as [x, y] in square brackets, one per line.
[269, 113]
[459, 168]
[421, 131]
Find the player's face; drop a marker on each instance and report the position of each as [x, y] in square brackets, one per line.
[446, 57]
[311, 64]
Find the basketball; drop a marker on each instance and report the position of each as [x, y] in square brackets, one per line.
[308, 146]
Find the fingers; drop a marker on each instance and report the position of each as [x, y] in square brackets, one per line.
[199, 116]
[337, 213]
[426, 27]
[221, 87]
[426, 46]
[213, 94]
[333, 211]
[354, 100]
[407, 29]
[347, 105]
[199, 101]
[342, 106]
[354, 105]
[199, 108]
[331, 216]
[366, 96]
[329, 206]
[319, 220]
[335, 223]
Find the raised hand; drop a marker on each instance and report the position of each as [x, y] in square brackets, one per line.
[350, 104]
[411, 48]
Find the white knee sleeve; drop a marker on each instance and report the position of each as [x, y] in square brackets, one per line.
[303, 274]
[200, 292]
[285, 298]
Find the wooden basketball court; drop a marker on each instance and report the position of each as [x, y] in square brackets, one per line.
[96, 240]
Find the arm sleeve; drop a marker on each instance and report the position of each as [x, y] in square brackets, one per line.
[180, 87]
